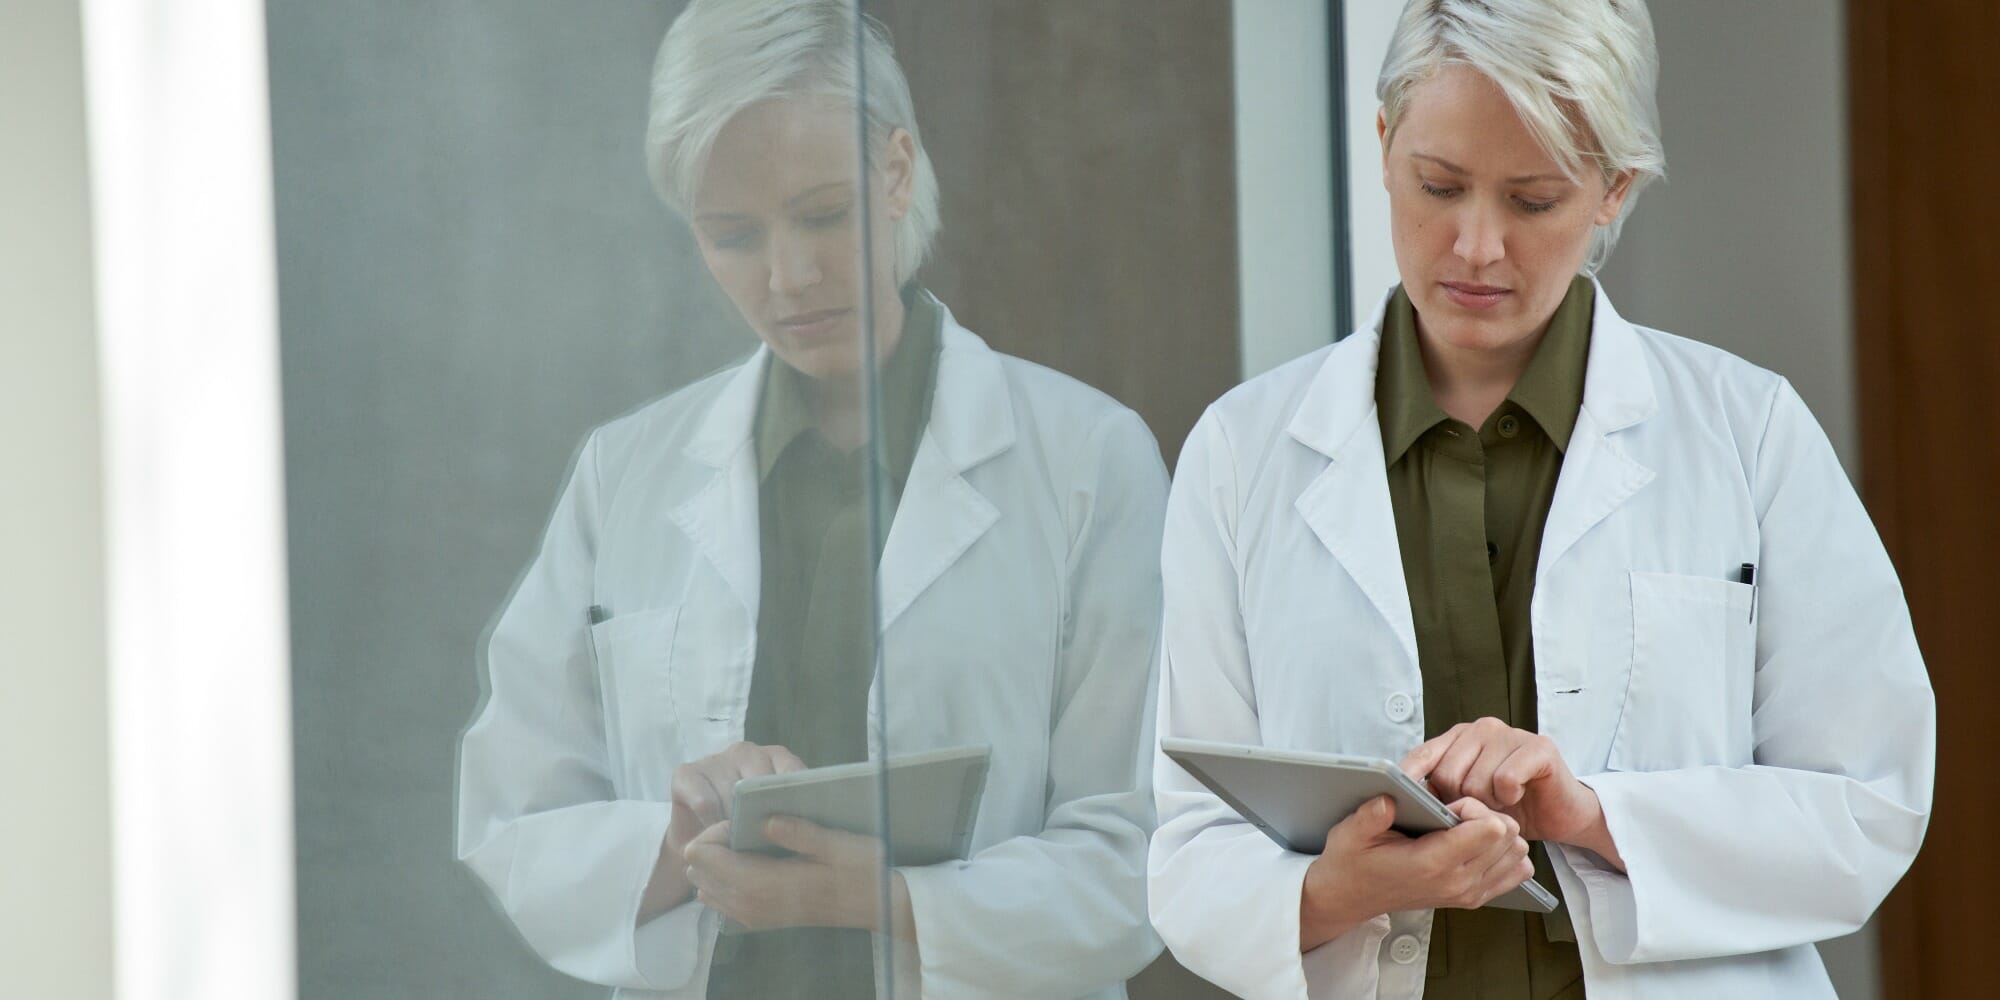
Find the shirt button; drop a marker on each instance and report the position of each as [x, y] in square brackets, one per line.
[1404, 949]
[1510, 425]
[1399, 707]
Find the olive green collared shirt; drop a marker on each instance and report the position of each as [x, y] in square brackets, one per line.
[1469, 507]
[815, 634]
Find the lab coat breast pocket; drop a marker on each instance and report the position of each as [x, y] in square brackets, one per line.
[634, 657]
[1693, 674]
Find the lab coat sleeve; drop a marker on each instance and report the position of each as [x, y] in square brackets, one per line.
[1804, 843]
[538, 820]
[1223, 896]
[1063, 912]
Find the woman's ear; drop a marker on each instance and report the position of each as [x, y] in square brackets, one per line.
[1614, 197]
[1382, 133]
[899, 172]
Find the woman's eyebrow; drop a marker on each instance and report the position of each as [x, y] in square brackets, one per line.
[1456, 169]
[724, 215]
[815, 189]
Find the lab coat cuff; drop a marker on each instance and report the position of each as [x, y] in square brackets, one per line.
[661, 953]
[1612, 896]
[1265, 963]
[926, 886]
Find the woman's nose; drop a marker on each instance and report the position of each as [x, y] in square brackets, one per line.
[1482, 237]
[794, 267]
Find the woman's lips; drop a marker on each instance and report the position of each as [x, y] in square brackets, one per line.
[813, 324]
[1468, 296]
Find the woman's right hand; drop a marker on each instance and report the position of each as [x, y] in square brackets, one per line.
[1368, 869]
[703, 791]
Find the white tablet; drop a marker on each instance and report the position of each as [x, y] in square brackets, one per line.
[933, 800]
[1295, 796]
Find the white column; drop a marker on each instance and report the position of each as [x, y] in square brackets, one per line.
[1284, 193]
[199, 680]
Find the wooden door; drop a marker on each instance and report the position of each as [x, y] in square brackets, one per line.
[1925, 136]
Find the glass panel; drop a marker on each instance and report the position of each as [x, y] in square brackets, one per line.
[852, 455]
[530, 424]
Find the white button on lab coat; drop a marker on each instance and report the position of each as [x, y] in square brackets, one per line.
[1767, 782]
[1020, 605]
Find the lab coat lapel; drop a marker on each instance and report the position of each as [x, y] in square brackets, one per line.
[720, 515]
[1347, 504]
[941, 514]
[1597, 475]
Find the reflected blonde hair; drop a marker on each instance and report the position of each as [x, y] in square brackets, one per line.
[1580, 73]
[722, 56]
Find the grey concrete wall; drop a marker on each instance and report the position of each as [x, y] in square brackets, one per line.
[1746, 245]
[473, 272]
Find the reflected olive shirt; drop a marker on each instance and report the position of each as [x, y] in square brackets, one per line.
[1469, 508]
[815, 642]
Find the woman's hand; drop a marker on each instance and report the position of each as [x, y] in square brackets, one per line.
[1367, 869]
[832, 879]
[703, 791]
[1520, 774]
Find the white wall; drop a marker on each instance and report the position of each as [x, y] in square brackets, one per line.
[1746, 247]
[55, 839]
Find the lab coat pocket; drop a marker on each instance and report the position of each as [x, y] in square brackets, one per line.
[1687, 697]
[633, 655]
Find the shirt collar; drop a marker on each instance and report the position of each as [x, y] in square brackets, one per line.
[1550, 389]
[1402, 390]
[784, 410]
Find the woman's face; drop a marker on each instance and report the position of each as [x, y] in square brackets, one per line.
[776, 215]
[1488, 229]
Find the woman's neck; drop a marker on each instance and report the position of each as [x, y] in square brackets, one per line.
[838, 404]
[1470, 383]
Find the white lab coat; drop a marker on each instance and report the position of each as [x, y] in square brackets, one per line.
[1766, 784]
[1020, 606]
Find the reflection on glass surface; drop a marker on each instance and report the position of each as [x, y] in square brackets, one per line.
[706, 605]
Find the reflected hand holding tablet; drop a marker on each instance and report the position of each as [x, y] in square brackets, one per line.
[801, 847]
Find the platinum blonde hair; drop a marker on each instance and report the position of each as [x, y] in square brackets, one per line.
[722, 56]
[1580, 73]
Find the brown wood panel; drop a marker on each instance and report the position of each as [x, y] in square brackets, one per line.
[1086, 157]
[1925, 103]
[1087, 161]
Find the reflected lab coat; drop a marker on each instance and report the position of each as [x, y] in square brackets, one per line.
[1020, 607]
[1766, 783]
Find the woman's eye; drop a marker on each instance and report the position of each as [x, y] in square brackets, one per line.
[1436, 192]
[736, 240]
[827, 220]
[1534, 207]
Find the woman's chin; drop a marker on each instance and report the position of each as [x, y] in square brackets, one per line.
[820, 361]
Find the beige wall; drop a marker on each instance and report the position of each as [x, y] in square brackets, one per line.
[55, 881]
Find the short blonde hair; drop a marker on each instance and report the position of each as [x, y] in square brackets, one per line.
[722, 56]
[1580, 73]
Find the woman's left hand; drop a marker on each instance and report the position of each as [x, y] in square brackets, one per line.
[832, 879]
[1518, 773]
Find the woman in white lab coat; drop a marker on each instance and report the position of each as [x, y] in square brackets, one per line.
[1018, 588]
[1722, 772]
